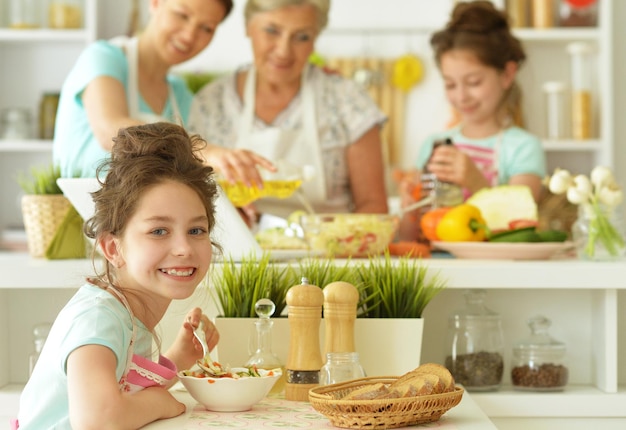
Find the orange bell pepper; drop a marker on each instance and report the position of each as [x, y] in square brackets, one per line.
[430, 220]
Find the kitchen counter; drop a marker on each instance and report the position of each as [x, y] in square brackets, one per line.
[276, 413]
[583, 299]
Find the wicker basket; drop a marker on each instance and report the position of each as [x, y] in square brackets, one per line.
[42, 213]
[379, 414]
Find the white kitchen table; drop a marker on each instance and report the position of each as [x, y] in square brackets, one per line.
[278, 413]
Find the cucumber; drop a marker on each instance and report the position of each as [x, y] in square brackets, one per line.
[553, 235]
[524, 234]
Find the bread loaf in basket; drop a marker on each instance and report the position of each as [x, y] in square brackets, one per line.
[420, 396]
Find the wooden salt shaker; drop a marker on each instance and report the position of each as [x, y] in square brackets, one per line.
[304, 359]
[340, 303]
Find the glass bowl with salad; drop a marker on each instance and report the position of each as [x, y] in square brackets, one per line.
[344, 235]
[232, 390]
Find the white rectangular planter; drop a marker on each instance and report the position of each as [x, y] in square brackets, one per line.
[387, 346]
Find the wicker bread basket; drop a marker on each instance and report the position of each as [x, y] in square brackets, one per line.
[379, 414]
[42, 214]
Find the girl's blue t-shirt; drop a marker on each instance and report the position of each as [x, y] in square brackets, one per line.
[75, 148]
[92, 317]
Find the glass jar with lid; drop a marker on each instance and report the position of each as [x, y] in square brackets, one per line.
[475, 344]
[24, 14]
[65, 14]
[539, 360]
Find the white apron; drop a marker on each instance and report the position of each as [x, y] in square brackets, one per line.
[297, 147]
[130, 47]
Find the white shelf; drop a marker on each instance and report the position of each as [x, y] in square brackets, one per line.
[460, 274]
[571, 145]
[574, 401]
[28, 145]
[44, 35]
[559, 34]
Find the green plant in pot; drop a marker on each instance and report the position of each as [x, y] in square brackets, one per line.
[237, 286]
[393, 295]
[395, 287]
[53, 227]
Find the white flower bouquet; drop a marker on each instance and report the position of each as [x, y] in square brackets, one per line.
[597, 197]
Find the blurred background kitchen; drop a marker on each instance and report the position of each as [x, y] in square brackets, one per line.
[365, 40]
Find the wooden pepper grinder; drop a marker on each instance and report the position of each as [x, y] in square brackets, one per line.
[340, 302]
[304, 359]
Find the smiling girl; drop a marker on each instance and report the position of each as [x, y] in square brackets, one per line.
[152, 223]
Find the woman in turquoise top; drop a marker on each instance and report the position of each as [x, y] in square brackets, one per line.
[479, 58]
[126, 81]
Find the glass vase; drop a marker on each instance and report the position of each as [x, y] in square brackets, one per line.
[598, 233]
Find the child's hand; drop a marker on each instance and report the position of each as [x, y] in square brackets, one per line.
[186, 349]
[449, 164]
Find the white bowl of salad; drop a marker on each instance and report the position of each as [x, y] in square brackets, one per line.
[237, 389]
[349, 235]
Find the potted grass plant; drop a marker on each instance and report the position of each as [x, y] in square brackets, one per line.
[43, 207]
[393, 295]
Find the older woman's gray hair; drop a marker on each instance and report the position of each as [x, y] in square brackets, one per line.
[256, 6]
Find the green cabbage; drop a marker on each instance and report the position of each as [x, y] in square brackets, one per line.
[504, 203]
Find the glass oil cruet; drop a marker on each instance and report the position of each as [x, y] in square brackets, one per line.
[264, 357]
[476, 345]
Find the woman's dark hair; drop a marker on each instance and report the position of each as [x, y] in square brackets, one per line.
[143, 156]
[479, 27]
[228, 7]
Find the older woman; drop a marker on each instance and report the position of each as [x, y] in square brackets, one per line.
[283, 108]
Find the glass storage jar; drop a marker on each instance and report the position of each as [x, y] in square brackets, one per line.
[539, 360]
[476, 345]
[24, 14]
[15, 123]
[65, 14]
[340, 367]
[47, 114]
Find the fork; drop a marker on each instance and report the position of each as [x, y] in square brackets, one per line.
[206, 363]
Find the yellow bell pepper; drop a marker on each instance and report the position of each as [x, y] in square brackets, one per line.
[463, 223]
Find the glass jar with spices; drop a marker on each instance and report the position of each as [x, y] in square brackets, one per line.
[476, 345]
[15, 123]
[543, 13]
[65, 14]
[582, 97]
[24, 14]
[555, 109]
[47, 114]
[579, 13]
[539, 360]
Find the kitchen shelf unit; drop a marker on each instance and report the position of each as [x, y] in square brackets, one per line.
[548, 60]
[33, 62]
[582, 299]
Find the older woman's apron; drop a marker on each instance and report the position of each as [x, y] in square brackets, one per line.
[297, 147]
